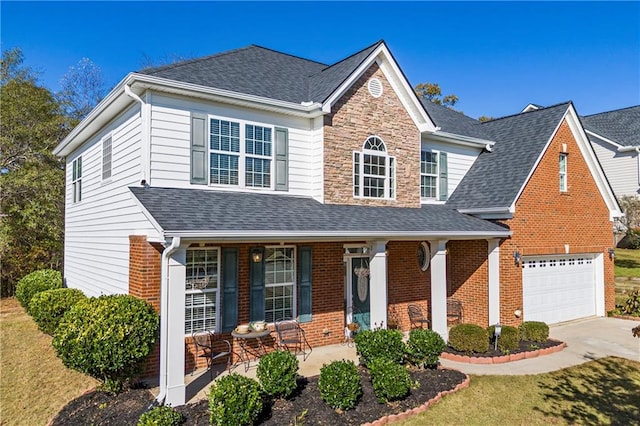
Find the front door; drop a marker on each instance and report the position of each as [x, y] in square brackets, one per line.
[358, 297]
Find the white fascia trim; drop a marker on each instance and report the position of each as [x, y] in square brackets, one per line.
[629, 149]
[330, 236]
[489, 212]
[423, 122]
[602, 138]
[461, 139]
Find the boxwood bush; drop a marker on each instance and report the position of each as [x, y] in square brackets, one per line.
[534, 331]
[234, 400]
[340, 385]
[106, 337]
[161, 416]
[469, 338]
[278, 373]
[380, 343]
[390, 381]
[34, 283]
[48, 307]
[509, 338]
[424, 347]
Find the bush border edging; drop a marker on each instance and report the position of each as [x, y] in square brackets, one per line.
[504, 358]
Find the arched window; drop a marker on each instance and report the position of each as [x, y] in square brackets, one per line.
[373, 170]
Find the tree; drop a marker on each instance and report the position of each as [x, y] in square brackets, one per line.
[484, 118]
[31, 177]
[82, 88]
[433, 93]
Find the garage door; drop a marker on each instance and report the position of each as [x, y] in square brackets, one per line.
[558, 288]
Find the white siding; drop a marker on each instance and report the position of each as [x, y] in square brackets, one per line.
[170, 143]
[621, 168]
[97, 228]
[459, 160]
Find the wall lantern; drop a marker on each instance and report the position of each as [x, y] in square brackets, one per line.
[517, 258]
[256, 256]
[497, 333]
[612, 253]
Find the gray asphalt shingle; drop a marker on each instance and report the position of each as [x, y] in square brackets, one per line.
[455, 122]
[621, 126]
[180, 209]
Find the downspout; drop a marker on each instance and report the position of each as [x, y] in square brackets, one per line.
[144, 163]
[164, 309]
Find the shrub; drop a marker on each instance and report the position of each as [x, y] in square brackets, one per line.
[380, 343]
[106, 337]
[632, 305]
[161, 416]
[339, 384]
[390, 381]
[234, 400]
[509, 338]
[48, 307]
[424, 347]
[633, 239]
[469, 338]
[534, 331]
[34, 283]
[278, 372]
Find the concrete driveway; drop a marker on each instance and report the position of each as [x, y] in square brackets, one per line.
[586, 340]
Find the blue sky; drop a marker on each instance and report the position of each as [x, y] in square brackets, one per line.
[497, 57]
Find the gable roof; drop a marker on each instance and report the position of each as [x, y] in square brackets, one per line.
[200, 213]
[496, 178]
[621, 126]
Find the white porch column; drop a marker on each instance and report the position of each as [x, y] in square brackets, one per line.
[176, 394]
[494, 280]
[439, 288]
[378, 283]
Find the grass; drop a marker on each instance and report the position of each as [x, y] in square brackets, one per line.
[605, 391]
[627, 263]
[34, 385]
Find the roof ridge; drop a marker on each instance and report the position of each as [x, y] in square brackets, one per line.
[451, 109]
[289, 54]
[194, 60]
[528, 112]
[381, 41]
[613, 110]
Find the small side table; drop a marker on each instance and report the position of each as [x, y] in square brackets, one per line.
[247, 351]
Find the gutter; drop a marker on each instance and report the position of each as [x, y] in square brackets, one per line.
[144, 135]
[164, 309]
[461, 139]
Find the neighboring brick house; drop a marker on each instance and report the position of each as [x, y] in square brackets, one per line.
[255, 185]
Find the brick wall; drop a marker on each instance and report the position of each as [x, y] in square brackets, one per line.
[547, 219]
[355, 117]
[468, 280]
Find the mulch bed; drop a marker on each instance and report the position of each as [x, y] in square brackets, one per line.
[524, 347]
[304, 407]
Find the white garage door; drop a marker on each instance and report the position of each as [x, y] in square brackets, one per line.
[558, 288]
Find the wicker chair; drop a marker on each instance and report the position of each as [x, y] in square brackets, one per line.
[417, 318]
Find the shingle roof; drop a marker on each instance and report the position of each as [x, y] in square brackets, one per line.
[621, 126]
[496, 177]
[454, 122]
[191, 210]
[244, 70]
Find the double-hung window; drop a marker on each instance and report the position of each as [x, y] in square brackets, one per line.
[240, 154]
[429, 175]
[280, 273]
[106, 158]
[373, 170]
[563, 172]
[202, 284]
[76, 179]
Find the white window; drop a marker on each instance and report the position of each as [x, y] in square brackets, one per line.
[76, 180]
[373, 170]
[563, 172]
[202, 284]
[279, 280]
[106, 158]
[240, 154]
[429, 174]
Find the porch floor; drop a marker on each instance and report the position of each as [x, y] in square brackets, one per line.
[199, 382]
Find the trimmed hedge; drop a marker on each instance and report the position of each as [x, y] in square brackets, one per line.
[340, 385]
[390, 381]
[48, 307]
[424, 347]
[380, 343]
[234, 400]
[509, 338]
[106, 337]
[36, 282]
[469, 338]
[534, 331]
[278, 373]
[161, 416]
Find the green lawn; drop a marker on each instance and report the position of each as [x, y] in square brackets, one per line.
[627, 263]
[605, 391]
